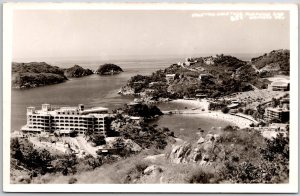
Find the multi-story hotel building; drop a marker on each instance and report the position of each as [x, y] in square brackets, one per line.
[65, 120]
[281, 114]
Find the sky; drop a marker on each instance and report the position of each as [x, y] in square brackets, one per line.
[106, 34]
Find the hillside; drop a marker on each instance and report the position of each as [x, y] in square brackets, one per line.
[76, 71]
[277, 61]
[109, 69]
[224, 75]
[230, 156]
[34, 74]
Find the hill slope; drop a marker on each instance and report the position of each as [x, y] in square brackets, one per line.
[223, 75]
[277, 61]
[34, 74]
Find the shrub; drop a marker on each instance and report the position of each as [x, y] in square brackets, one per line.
[225, 110]
[72, 180]
[200, 177]
[135, 172]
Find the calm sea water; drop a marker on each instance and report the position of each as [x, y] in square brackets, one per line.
[97, 90]
[92, 90]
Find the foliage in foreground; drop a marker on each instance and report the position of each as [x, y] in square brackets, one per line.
[250, 158]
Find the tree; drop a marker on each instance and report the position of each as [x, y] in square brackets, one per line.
[278, 146]
[92, 161]
[15, 149]
[225, 110]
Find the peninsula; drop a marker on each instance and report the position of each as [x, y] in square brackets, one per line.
[34, 74]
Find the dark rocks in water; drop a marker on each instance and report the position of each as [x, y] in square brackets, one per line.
[34, 74]
[109, 69]
[76, 72]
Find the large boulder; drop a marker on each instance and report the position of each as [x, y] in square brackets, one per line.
[204, 152]
[180, 153]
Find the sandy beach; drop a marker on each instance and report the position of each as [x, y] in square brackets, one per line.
[199, 108]
[232, 119]
[193, 104]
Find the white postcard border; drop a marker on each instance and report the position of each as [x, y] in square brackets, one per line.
[291, 187]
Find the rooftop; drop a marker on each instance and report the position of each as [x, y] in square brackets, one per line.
[69, 110]
[170, 75]
[282, 82]
[278, 109]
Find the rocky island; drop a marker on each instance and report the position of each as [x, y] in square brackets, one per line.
[76, 72]
[34, 74]
[109, 69]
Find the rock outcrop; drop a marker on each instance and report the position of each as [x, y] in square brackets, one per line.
[181, 153]
[204, 151]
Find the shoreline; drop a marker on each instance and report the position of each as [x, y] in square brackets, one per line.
[197, 110]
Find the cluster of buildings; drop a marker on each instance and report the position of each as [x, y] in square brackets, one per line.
[281, 113]
[65, 120]
[188, 62]
[209, 60]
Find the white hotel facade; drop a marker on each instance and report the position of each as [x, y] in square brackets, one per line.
[65, 120]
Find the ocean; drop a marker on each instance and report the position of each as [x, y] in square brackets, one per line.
[97, 90]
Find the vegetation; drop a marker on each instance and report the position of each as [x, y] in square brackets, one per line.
[39, 162]
[218, 105]
[109, 69]
[36, 67]
[30, 75]
[24, 152]
[31, 80]
[96, 138]
[254, 159]
[76, 71]
[142, 110]
[239, 156]
[227, 75]
[276, 59]
[225, 110]
[229, 62]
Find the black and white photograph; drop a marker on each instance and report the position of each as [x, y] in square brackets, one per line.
[97, 95]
